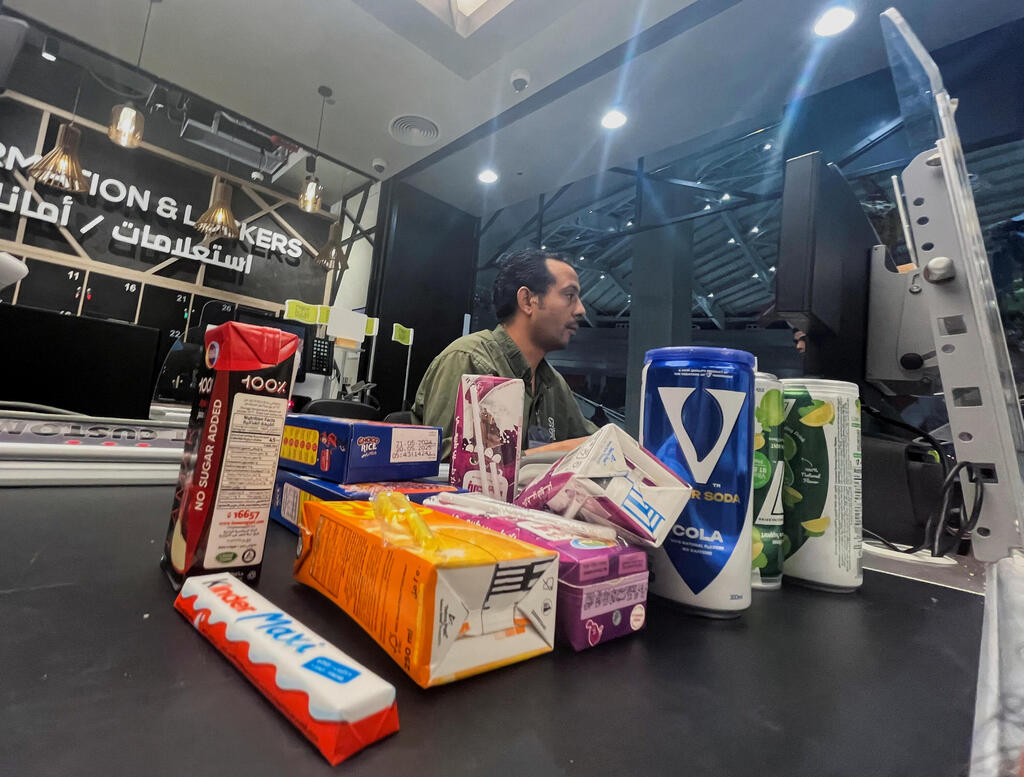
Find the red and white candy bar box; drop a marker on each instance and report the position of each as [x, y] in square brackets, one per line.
[340, 705]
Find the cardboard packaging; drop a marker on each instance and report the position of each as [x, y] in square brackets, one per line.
[222, 503]
[338, 704]
[487, 434]
[602, 584]
[293, 490]
[445, 599]
[611, 480]
[347, 451]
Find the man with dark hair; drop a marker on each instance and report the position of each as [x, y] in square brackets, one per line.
[537, 300]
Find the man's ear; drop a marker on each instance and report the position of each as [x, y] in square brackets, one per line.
[526, 300]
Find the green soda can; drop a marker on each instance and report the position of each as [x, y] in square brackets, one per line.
[821, 485]
[768, 535]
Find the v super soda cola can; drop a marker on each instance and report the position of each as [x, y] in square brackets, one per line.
[767, 535]
[697, 417]
[821, 492]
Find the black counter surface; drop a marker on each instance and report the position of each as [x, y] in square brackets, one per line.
[99, 675]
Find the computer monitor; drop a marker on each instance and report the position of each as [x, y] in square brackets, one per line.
[823, 271]
[85, 365]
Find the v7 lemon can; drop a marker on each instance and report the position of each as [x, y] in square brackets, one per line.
[821, 487]
[696, 411]
[767, 536]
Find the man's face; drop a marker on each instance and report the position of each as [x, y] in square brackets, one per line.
[555, 318]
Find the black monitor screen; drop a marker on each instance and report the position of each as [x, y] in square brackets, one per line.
[86, 365]
[824, 265]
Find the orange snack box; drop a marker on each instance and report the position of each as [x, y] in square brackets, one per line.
[445, 598]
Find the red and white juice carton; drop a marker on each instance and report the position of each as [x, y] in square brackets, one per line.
[486, 435]
[222, 503]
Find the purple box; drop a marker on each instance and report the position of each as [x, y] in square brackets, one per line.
[602, 584]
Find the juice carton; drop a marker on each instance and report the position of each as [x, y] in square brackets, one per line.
[222, 503]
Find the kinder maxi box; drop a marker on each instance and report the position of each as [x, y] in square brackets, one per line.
[338, 704]
[602, 583]
[612, 481]
[293, 490]
[348, 451]
[445, 599]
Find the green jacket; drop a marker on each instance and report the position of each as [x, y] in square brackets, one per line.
[549, 415]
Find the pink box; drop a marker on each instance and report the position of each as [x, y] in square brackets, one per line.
[610, 480]
[486, 435]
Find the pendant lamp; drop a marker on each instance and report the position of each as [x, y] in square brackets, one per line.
[127, 123]
[60, 167]
[332, 256]
[218, 221]
[309, 197]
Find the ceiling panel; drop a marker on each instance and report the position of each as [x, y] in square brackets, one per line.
[265, 58]
[743, 63]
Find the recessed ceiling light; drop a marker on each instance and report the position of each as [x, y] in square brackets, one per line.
[755, 276]
[834, 21]
[771, 269]
[755, 230]
[732, 240]
[708, 206]
[487, 176]
[602, 276]
[629, 223]
[726, 197]
[50, 49]
[711, 294]
[613, 119]
[766, 147]
[543, 248]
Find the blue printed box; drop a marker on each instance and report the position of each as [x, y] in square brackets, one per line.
[293, 490]
[347, 451]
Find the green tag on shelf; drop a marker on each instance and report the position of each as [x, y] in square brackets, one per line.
[297, 310]
[402, 334]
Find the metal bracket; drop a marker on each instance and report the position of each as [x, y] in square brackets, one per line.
[979, 414]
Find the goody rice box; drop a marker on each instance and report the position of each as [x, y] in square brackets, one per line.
[444, 598]
[292, 491]
[222, 503]
[349, 451]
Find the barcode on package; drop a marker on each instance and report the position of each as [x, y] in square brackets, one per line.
[290, 503]
[408, 445]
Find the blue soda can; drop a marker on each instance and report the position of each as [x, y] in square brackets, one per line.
[697, 417]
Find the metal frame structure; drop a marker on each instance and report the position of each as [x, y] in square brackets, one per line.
[267, 201]
[736, 190]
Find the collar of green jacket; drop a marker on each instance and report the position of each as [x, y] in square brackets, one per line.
[516, 360]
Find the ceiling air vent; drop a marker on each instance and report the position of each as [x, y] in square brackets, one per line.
[414, 130]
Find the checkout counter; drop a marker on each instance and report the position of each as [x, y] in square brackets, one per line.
[102, 676]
